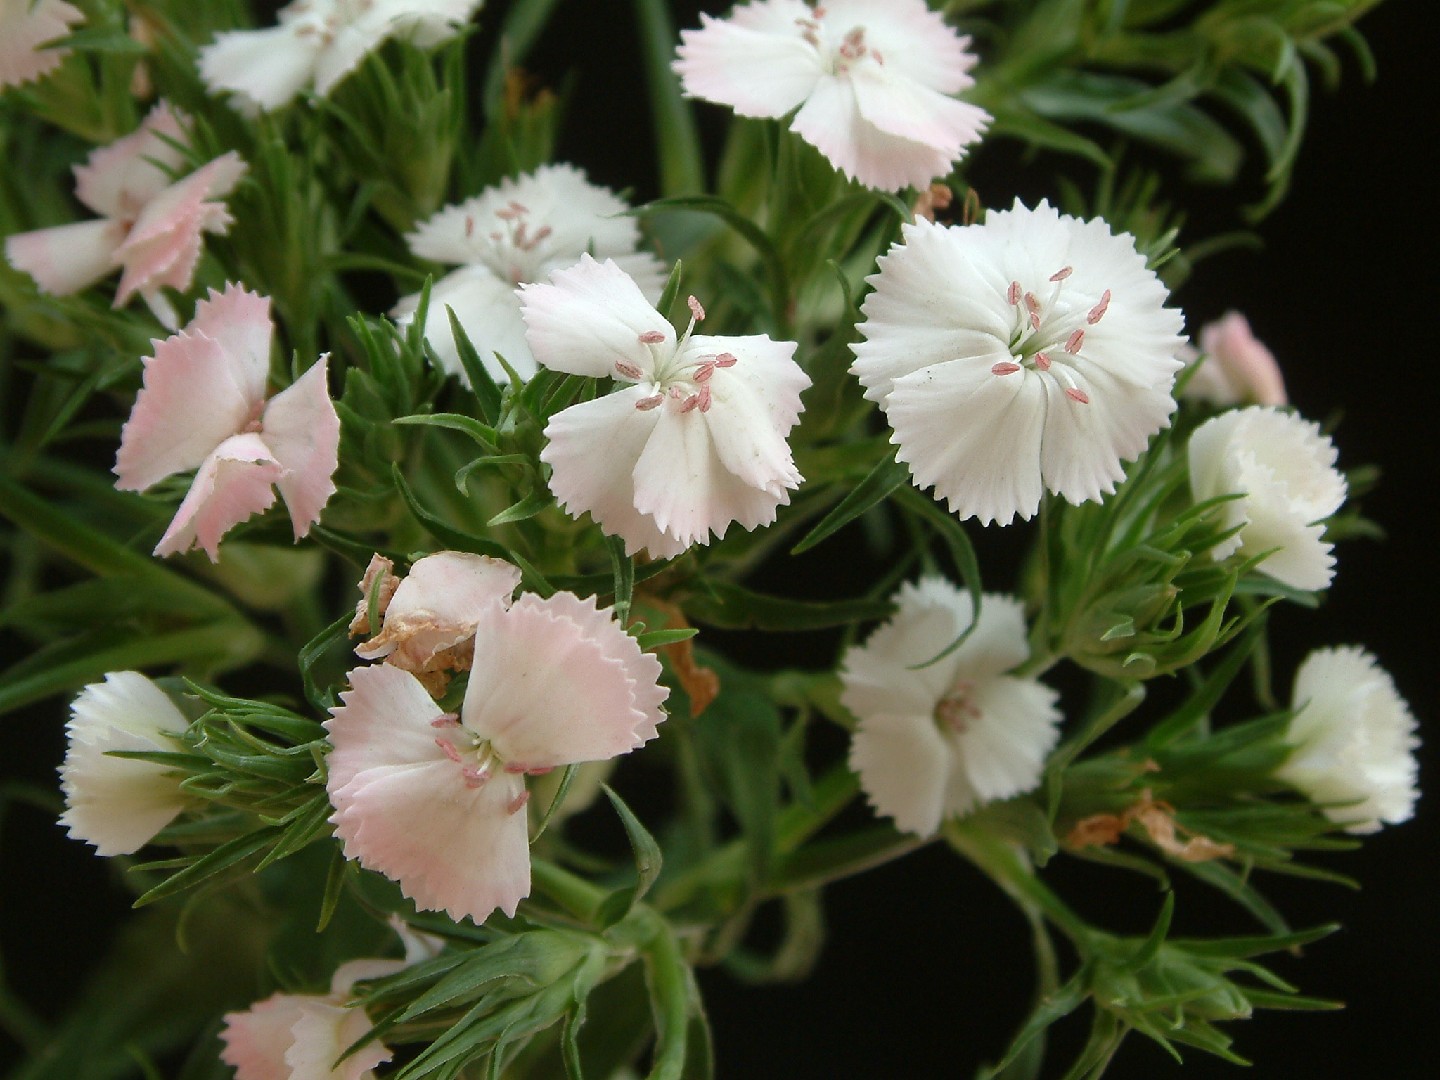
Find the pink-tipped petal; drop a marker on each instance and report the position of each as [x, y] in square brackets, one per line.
[438, 605]
[233, 484]
[383, 721]
[302, 430]
[756, 62]
[202, 386]
[26, 26]
[118, 180]
[67, 258]
[324, 1030]
[557, 681]
[590, 318]
[256, 1039]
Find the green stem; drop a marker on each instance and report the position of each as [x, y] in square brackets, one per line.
[1008, 868]
[573, 893]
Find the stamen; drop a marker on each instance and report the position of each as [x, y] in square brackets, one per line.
[1013, 295]
[1062, 273]
[469, 226]
[445, 719]
[1074, 393]
[1042, 361]
[705, 400]
[518, 803]
[1004, 368]
[725, 359]
[652, 337]
[695, 309]
[692, 402]
[475, 776]
[629, 370]
[448, 749]
[704, 372]
[1073, 343]
[511, 212]
[1032, 305]
[1098, 311]
[540, 770]
[652, 402]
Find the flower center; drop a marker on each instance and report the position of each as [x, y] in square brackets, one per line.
[852, 48]
[957, 710]
[511, 246]
[323, 19]
[476, 757]
[675, 376]
[1048, 331]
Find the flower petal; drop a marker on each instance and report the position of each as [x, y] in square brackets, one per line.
[266, 67]
[489, 311]
[118, 180]
[322, 1032]
[24, 27]
[202, 386]
[232, 484]
[256, 1039]
[302, 430]
[590, 318]
[756, 61]
[384, 721]
[903, 763]
[557, 681]
[897, 105]
[67, 258]
[830, 121]
[1002, 750]
[118, 804]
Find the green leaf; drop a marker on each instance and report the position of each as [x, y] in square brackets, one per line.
[647, 863]
[624, 570]
[681, 162]
[481, 433]
[485, 389]
[882, 481]
[536, 502]
[734, 607]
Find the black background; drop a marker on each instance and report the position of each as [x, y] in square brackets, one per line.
[927, 968]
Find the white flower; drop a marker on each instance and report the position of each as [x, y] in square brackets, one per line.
[26, 25]
[694, 440]
[1354, 740]
[1032, 352]
[434, 800]
[939, 740]
[118, 803]
[1285, 470]
[321, 41]
[871, 80]
[519, 231]
[1238, 369]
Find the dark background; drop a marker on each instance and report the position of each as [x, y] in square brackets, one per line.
[928, 969]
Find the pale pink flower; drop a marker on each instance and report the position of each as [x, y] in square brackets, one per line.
[151, 227]
[871, 79]
[26, 25]
[519, 231]
[430, 616]
[937, 740]
[203, 407]
[1353, 739]
[435, 801]
[1237, 368]
[301, 1036]
[695, 438]
[1283, 467]
[118, 803]
[321, 42]
[1033, 352]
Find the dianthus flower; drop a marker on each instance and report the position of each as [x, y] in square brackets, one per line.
[321, 41]
[434, 800]
[871, 80]
[1354, 740]
[1238, 369]
[429, 617]
[151, 226]
[519, 231]
[115, 803]
[203, 407]
[1285, 470]
[693, 441]
[26, 25]
[1032, 352]
[941, 739]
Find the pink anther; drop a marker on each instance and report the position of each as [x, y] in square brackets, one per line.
[1074, 341]
[692, 402]
[448, 748]
[541, 770]
[705, 399]
[1013, 294]
[1004, 368]
[517, 804]
[1042, 361]
[725, 359]
[469, 226]
[695, 308]
[652, 337]
[1076, 394]
[1098, 311]
[704, 372]
[629, 370]
[654, 401]
[1062, 273]
[474, 777]
[445, 719]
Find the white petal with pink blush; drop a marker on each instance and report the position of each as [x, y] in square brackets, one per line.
[870, 81]
[26, 26]
[203, 407]
[1031, 353]
[696, 437]
[435, 801]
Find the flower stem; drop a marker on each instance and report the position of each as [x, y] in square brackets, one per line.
[1009, 869]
